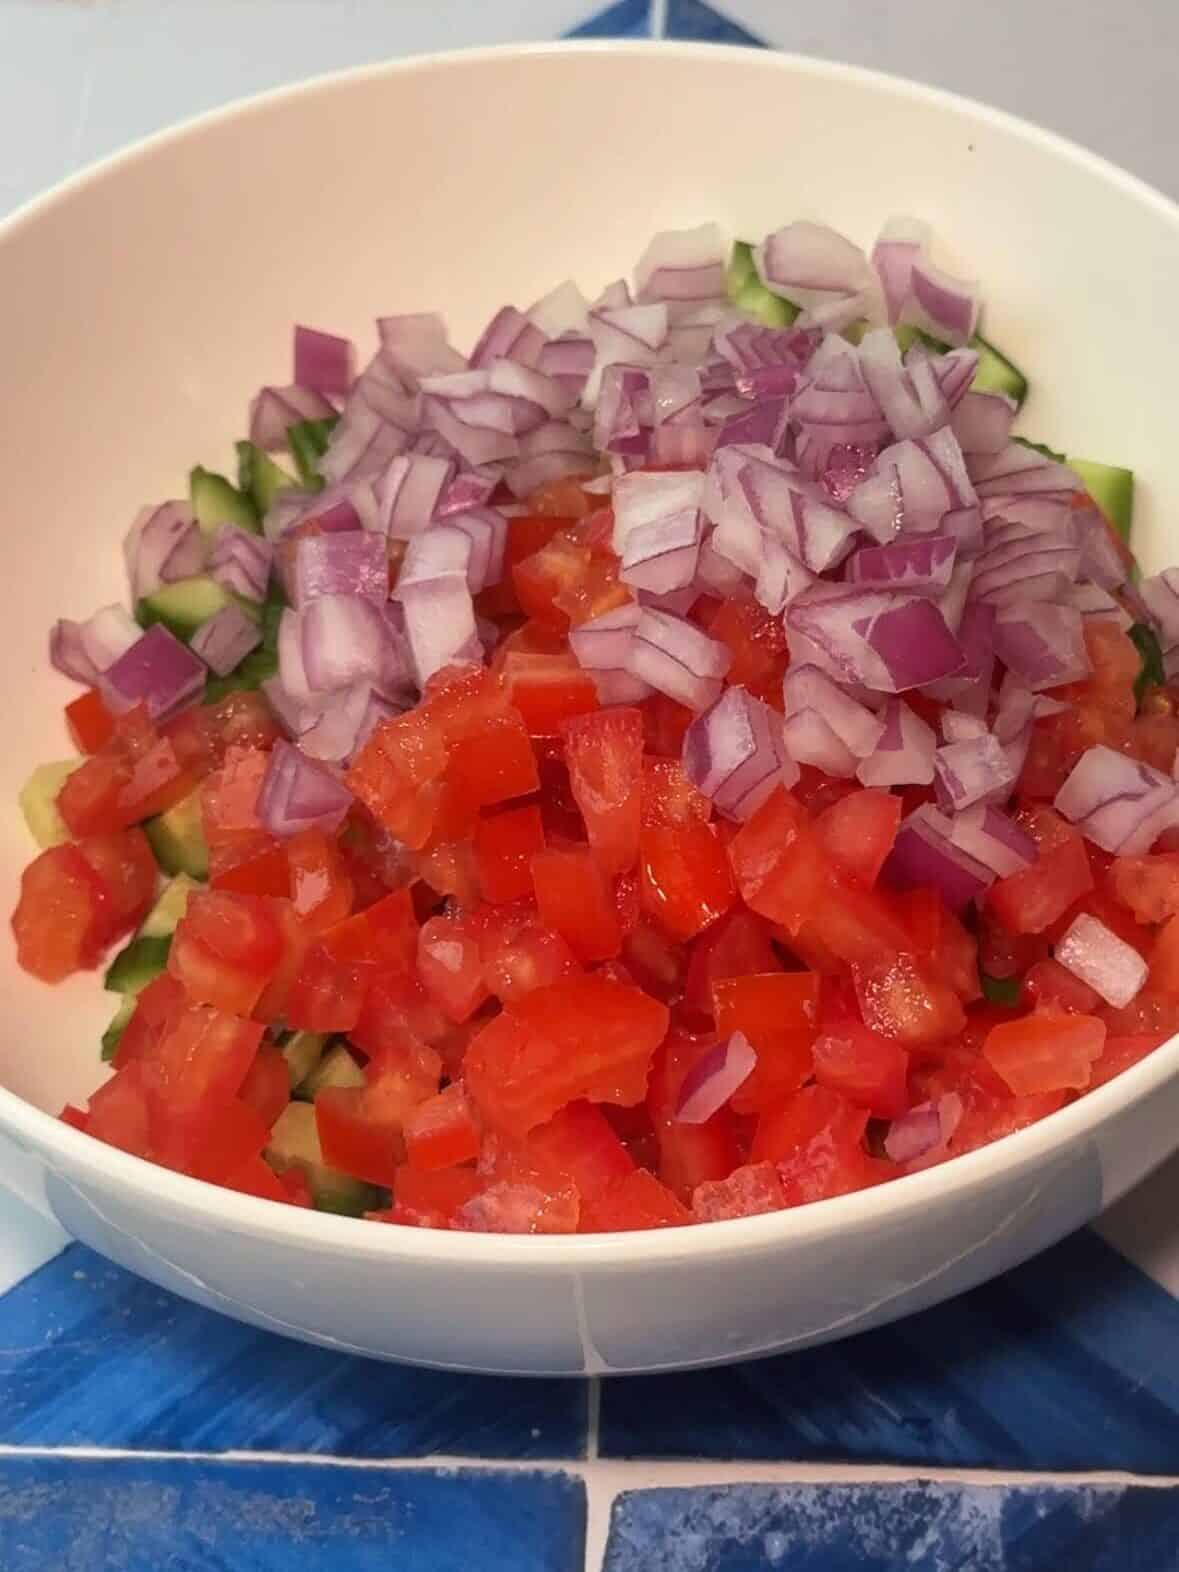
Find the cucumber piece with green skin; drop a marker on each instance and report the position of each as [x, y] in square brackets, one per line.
[1111, 488]
[185, 603]
[747, 292]
[294, 1143]
[38, 802]
[160, 922]
[995, 373]
[336, 1068]
[308, 440]
[110, 1038]
[216, 502]
[302, 1052]
[137, 963]
[177, 838]
[259, 664]
[260, 477]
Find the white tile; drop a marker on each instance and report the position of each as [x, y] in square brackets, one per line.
[27, 1240]
[1099, 73]
[1145, 1226]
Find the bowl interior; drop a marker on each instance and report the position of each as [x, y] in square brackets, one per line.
[141, 306]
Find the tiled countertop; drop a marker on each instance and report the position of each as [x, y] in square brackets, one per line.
[1031, 1425]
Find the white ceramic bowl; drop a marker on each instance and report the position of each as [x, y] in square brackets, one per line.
[140, 305]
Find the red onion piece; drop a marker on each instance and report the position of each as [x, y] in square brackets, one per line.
[510, 335]
[644, 498]
[1160, 593]
[335, 729]
[939, 304]
[813, 266]
[1022, 472]
[274, 410]
[487, 531]
[973, 771]
[900, 243]
[958, 726]
[924, 854]
[323, 362]
[551, 452]
[1022, 566]
[297, 793]
[1042, 644]
[904, 754]
[416, 346]
[811, 739]
[355, 563]
[884, 641]
[781, 578]
[225, 639]
[620, 687]
[409, 492]
[84, 650]
[677, 658]
[806, 687]
[569, 361]
[713, 1079]
[343, 639]
[1120, 804]
[158, 672]
[1098, 605]
[683, 267]
[663, 555]
[163, 544]
[894, 389]
[293, 715]
[563, 310]
[914, 1134]
[604, 643]
[982, 422]
[919, 566]
[633, 335]
[470, 489]
[762, 424]
[1096, 955]
[241, 561]
[955, 372]
[1101, 561]
[439, 623]
[991, 838]
[360, 448]
[735, 753]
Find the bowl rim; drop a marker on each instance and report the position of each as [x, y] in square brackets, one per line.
[42, 1134]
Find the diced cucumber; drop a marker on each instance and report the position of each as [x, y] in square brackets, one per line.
[185, 603]
[216, 502]
[1111, 488]
[260, 477]
[160, 922]
[177, 837]
[303, 1051]
[38, 801]
[336, 1068]
[907, 335]
[308, 441]
[258, 666]
[294, 1143]
[110, 1038]
[749, 294]
[996, 374]
[137, 963]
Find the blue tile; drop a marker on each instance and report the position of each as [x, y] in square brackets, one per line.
[692, 19]
[1066, 1363]
[143, 1515]
[91, 1355]
[887, 1528]
[624, 19]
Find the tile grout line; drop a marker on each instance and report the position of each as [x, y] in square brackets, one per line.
[593, 1419]
[657, 18]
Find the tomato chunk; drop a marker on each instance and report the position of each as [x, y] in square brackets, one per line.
[686, 880]
[504, 846]
[361, 1129]
[1046, 1052]
[442, 1132]
[573, 898]
[1027, 902]
[689, 1154]
[868, 1069]
[858, 832]
[320, 887]
[778, 1012]
[90, 723]
[901, 998]
[519, 953]
[636, 1201]
[451, 967]
[225, 949]
[604, 754]
[736, 946]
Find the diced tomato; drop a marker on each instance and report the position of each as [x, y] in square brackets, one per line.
[636, 1201]
[746, 1192]
[327, 993]
[559, 565]
[127, 872]
[155, 1009]
[136, 773]
[442, 1131]
[604, 754]
[397, 1010]
[584, 1037]
[757, 643]
[548, 690]
[519, 953]
[445, 868]
[654, 961]
[947, 951]
[78, 1118]
[225, 949]
[580, 1143]
[815, 1140]
[1028, 902]
[194, 1075]
[688, 1153]
[527, 534]
[429, 1200]
[118, 1112]
[450, 966]
[1149, 1011]
[256, 1177]
[736, 946]
[686, 879]
[870, 1070]
[495, 763]
[669, 798]
[267, 1086]
[505, 843]
[1047, 986]
[1046, 1052]
[1119, 1053]
[320, 888]
[397, 775]
[565, 498]
[384, 935]
[361, 1129]
[59, 922]
[989, 1111]
[531, 1204]
[242, 719]
[664, 725]
[778, 1013]
[901, 998]
[90, 723]
[262, 870]
[1148, 886]
[229, 798]
[229, 1144]
[779, 866]
[858, 832]
[573, 897]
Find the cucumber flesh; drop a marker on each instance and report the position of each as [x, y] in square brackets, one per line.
[260, 477]
[294, 1143]
[137, 964]
[1111, 488]
[336, 1068]
[38, 802]
[177, 838]
[110, 1038]
[216, 502]
[185, 603]
[747, 292]
[160, 922]
[997, 374]
[303, 1051]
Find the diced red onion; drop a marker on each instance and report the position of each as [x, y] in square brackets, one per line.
[955, 372]
[900, 243]
[662, 556]
[975, 770]
[620, 687]
[1024, 566]
[569, 361]
[163, 544]
[439, 623]
[473, 488]
[939, 304]
[806, 687]
[409, 492]
[355, 563]
[904, 753]
[781, 578]
[552, 452]
[813, 267]
[763, 423]
[225, 639]
[958, 726]
[718, 576]
[1119, 803]
[604, 643]
[713, 1079]
[992, 838]
[360, 447]
[563, 310]
[510, 335]
[1021, 472]
[416, 346]
[1101, 560]
[923, 855]
[920, 566]
[683, 266]
[834, 403]
[274, 410]
[84, 650]
[241, 561]
[982, 422]
[336, 727]
[158, 672]
[1096, 955]
[323, 362]
[885, 641]
[914, 1133]
[892, 386]
[487, 530]
[297, 793]
[1019, 709]
[677, 658]
[1160, 594]
[632, 334]
[735, 753]
[1043, 645]
[645, 498]
[342, 639]
[291, 713]
[811, 739]
[1098, 605]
